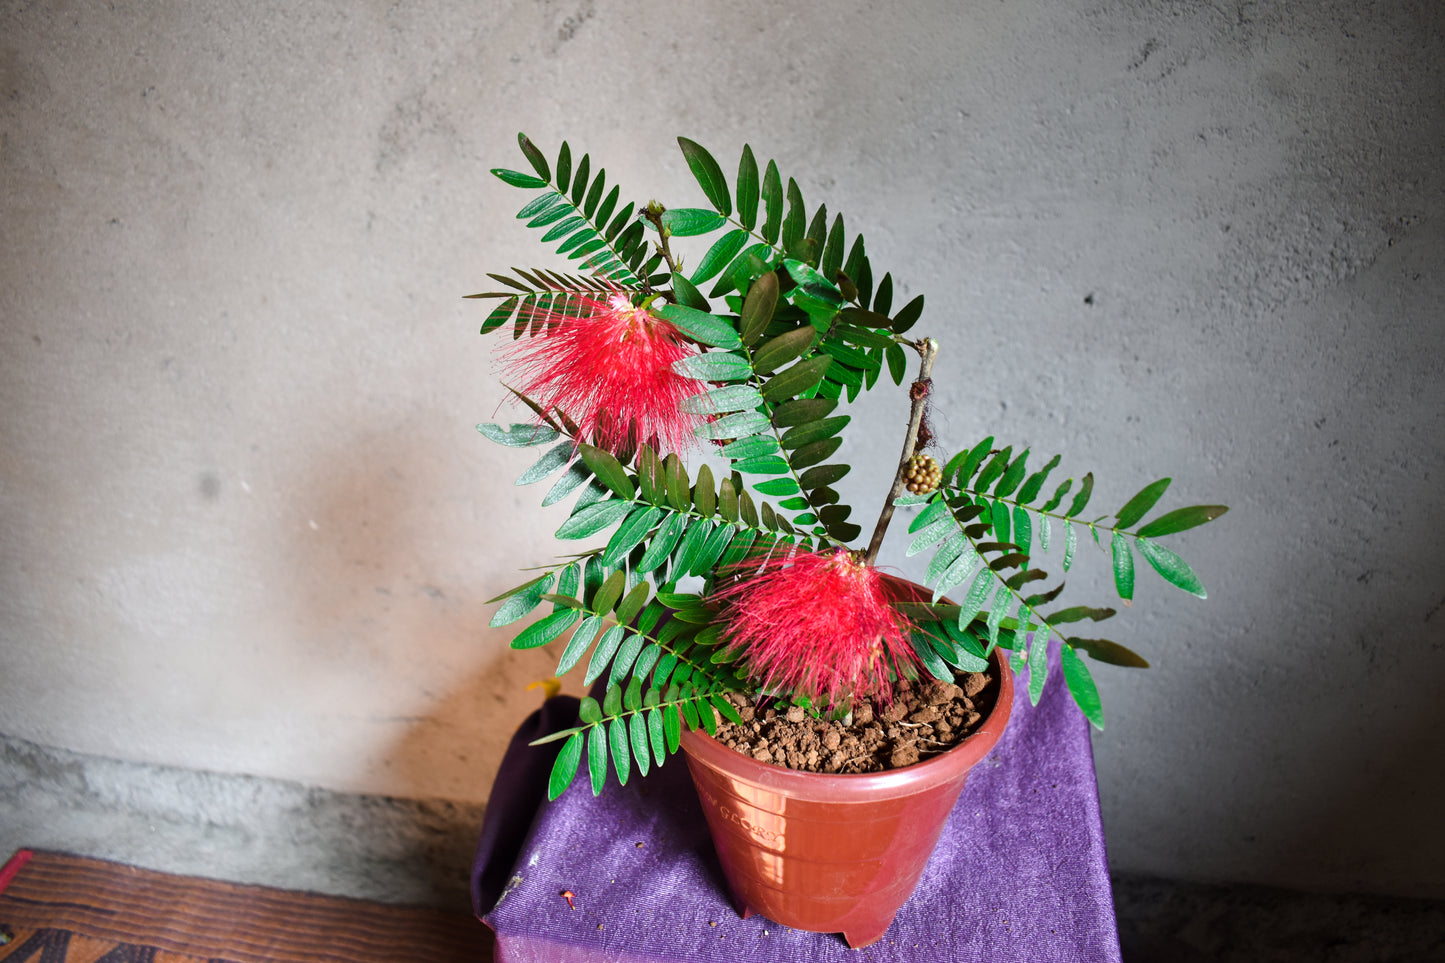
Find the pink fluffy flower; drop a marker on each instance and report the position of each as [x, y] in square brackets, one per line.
[608, 367]
[819, 624]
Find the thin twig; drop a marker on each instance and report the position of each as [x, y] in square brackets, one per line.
[927, 351]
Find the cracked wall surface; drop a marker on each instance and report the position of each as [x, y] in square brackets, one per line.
[248, 527]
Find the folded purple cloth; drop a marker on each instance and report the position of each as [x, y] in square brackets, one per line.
[1020, 872]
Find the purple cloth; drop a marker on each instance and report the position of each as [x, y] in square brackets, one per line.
[1020, 872]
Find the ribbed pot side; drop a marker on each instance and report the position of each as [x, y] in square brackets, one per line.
[832, 853]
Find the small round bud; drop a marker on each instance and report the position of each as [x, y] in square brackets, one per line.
[922, 474]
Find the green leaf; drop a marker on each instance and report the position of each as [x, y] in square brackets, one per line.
[699, 325]
[709, 175]
[957, 572]
[993, 469]
[908, 316]
[602, 655]
[579, 182]
[637, 731]
[815, 431]
[795, 222]
[663, 542]
[776, 352]
[996, 612]
[521, 600]
[814, 284]
[1123, 567]
[1086, 488]
[608, 470]
[1078, 613]
[741, 424]
[1081, 687]
[758, 307]
[630, 534]
[655, 736]
[565, 766]
[518, 436]
[672, 727]
[621, 750]
[812, 454]
[1012, 476]
[553, 460]
[1071, 542]
[931, 534]
[597, 758]
[579, 643]
[691, 221]
[772, 202]
[544, 630]
[692, 546]
[609, 593]
[802, 411]
[822, 475]
[564, 166]
[747, 189]
[937, 509]
[1038, 656]
[1138, 506]
[534, 156]
[1105, 650]
[626, 655]
[797, 379]
[588, 711]
[977, 595]
[897, 363]
[518, 179]
[714, 366]
[687, 294]
[1181, 519]
[968, 464]
[633, 603]
[722, 400]
[720, 255]
[1173, 568]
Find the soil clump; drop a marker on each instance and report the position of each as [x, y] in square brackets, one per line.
[926, 717]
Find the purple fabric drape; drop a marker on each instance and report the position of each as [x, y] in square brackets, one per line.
[1019, 874]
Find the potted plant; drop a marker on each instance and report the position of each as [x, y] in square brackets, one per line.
[727, 605]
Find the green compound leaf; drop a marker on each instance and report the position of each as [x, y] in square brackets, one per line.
[1086, 488]
[1173, 568]
[772, 203]
[722, 400]
[1123, 566]
[593, 518]
[521, 600]
[699, 325]
[1081, 687]
[564, 769]
[709, 175]
[655, 735]
[1138, 506]
[549, 463]
[687, 294]
[1181, 519]
[741, 424]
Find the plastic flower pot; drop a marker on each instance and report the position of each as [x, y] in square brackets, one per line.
[832, 853]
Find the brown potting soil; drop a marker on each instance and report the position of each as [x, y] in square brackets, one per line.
[926, 717]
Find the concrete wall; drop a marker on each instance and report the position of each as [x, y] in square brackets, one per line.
[248, 526]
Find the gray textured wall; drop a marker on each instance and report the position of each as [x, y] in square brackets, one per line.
[248, 527]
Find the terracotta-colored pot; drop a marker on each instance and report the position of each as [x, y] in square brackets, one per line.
[832, 853]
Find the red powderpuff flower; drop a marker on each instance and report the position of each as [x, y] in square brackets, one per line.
[819, 624]
[608, 367]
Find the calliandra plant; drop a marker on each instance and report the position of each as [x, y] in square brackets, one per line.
[746, 579]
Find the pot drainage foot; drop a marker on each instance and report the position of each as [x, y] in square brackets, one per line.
[866, 936]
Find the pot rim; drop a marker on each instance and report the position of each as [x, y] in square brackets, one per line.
[933, 771]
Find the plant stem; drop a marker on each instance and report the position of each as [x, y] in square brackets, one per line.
[653, 212]
[927, 351]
